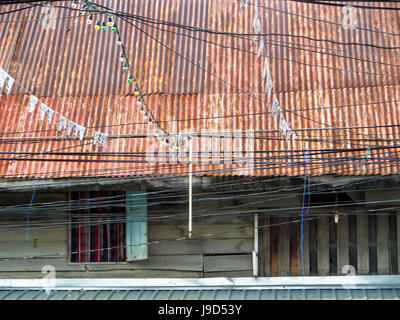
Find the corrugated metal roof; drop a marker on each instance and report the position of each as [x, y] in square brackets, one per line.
[78, 70]
[74, 60]
[223, 294]
[280, 288]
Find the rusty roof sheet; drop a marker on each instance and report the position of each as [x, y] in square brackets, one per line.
[335, 101]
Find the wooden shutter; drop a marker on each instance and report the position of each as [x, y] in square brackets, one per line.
[136, 225]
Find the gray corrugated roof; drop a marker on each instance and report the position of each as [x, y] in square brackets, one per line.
[279, 288]
[204, 294]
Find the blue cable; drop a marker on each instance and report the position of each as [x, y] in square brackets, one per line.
[27, 221]
[307, 180]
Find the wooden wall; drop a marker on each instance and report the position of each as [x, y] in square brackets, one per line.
[225, 254]
[371, 244]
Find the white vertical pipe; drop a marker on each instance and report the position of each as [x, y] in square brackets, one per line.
[190, 186]
[255, 251]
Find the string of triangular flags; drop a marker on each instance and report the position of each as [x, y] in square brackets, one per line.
[275, 109]
[73, 128]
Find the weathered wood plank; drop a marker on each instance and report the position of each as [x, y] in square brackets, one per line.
[323, 246]
[313, 235]
[372, 245]
[294, 249]
[36, 265]
[306, 250]
[227, 231]
[264, 246]
[398, 241]
[35, 248]
[228, 274]
[362, 245]
[172, 262]
[382, 242]
[333, 264]
[228, 263]
[205, 246]
[284, 248]
[105, 274]
[342, 243]
[57, 234]
[274, 240]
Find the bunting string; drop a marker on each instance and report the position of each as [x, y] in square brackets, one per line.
[267, 84]
[45, 112]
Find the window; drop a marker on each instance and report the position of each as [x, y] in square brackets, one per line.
[108, 226]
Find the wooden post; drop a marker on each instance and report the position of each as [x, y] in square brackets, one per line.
[306, 251]
[190, 186]
[362, 245]
[382, 243]
[264, 260]
[255, 251]
[284, 248]
[342, 243]
[398, 241]
[323, 246]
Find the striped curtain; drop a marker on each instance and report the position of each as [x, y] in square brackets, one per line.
[98, 226]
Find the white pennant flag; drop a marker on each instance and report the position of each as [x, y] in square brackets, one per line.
[32, 103]
[96, 137]
[275, 109]
[260, 47]
[103, 140]
[3, 77]
[268, 86]
[69, 127]
[50, 113]
[9, 85]
[43, 110]
[283, 126]
[79, 131]
[255, 18]
[61, 123]
[244, 2]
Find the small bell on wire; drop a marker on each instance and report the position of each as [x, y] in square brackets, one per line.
[130, 78]
[125, 66]
[90, 19]
[97, 25]
[110, 22]
[104, 26]
[136, 91]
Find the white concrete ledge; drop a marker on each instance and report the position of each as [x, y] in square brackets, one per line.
[317, 282]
